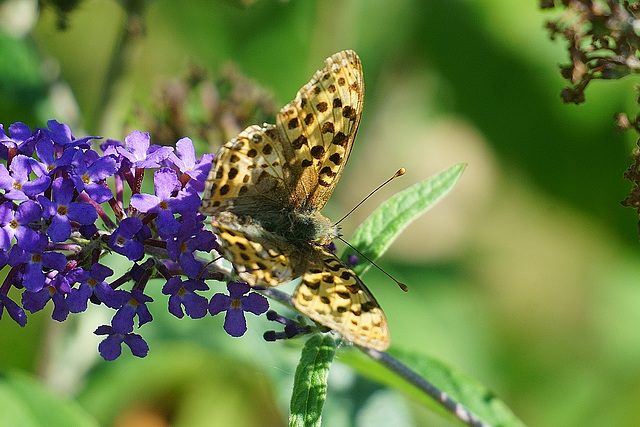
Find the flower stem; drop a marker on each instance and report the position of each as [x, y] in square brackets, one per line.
[402, 370]
[456, 409]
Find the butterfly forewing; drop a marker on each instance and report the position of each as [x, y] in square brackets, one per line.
[266, 187]
[246, 172]
[320, 125]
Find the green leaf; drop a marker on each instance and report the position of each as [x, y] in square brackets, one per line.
[310, 381]
[22, 88]
[26, 403]
[463, 389]
[381, 228]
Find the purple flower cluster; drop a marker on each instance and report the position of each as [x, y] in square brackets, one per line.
[54, 229]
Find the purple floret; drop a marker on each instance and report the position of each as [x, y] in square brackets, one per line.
[235, 304]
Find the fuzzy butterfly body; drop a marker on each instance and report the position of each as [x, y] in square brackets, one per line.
[266, 189]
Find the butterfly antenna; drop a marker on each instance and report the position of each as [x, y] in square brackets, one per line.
[400, 172]
[399, 283]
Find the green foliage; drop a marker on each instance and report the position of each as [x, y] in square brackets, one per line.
[192, 384]
[373, 237]
[458, 385]
[22, 88]
[381, 228]
[310, 382]
[27, 403]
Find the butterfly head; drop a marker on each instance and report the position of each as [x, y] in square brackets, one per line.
[325, 230]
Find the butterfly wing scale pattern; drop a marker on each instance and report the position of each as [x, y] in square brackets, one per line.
[334, 296]
[291, 168]
[320, 124]
[247, 172]
[258, 260]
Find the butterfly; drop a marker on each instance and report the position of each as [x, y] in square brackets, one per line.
[265, 191]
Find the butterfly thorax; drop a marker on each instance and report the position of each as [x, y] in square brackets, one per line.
[320, 230]
[292, 225]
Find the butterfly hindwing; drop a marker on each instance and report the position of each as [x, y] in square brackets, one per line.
[334, 296]
[257, 260]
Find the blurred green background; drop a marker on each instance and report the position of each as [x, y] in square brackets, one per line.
[525, 277]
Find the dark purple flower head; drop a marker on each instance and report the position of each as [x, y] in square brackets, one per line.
[4, 258]
[60, 133]
[16, 181]
[14, 310]
[87, 231]
[111, 347]
[235, 304]
[89, 172]
[191, 237]
[52, 157]
[56, 290]
[34, 261]
[352, 260]
[91, 283]
[186, 163]
[110, 148]
[20, 137]
[62, 210]
[135, 305]
[17, 223]
[183, 294]
[122, 240]
[140, 153]
[48, 186]
[167, 202]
